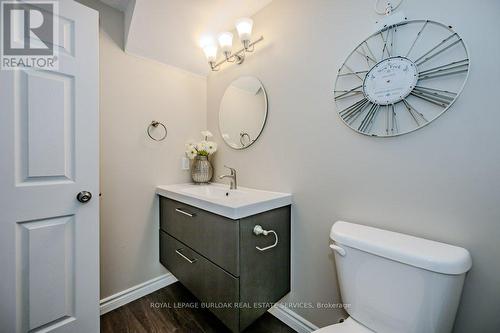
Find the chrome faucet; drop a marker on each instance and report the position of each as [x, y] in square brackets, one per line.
[232, 178]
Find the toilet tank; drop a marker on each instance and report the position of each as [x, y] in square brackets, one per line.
[395, 283]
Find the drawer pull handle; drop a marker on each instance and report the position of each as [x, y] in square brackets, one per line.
[178, 210]
[258, 230]
[191, 261]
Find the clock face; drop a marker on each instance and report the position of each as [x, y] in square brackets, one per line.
[390, 81]
[401, 78]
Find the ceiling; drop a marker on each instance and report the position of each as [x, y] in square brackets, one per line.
[169, 31]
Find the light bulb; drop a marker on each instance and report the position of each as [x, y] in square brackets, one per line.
[226, 42]
[244, 27]
[209, 48]
[210, 52]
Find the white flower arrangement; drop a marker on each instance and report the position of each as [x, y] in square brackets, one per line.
[202, 148]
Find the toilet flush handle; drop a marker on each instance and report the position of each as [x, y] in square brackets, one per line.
[337, 249]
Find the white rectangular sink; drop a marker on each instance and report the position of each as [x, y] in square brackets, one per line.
[219, 199]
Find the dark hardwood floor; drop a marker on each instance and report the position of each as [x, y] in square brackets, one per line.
[144, 316]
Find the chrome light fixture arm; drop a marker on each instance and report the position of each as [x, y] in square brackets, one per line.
[237, 57]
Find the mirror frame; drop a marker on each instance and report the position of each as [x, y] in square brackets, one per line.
[264, 122]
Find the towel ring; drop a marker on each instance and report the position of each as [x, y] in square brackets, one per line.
[154, 124]
[258, 230]
[242, 135]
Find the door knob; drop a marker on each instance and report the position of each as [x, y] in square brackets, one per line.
[84, 196]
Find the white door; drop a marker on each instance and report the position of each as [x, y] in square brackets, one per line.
[49, 241]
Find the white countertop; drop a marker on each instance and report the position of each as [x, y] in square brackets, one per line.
[219, 199]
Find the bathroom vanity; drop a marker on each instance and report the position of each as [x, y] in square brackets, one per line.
[208, 242]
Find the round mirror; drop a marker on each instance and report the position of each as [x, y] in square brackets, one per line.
[243, 112]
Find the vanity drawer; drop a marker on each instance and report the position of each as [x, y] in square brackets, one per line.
[209, 283]
[211, 235]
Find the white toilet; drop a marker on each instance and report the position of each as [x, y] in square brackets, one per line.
[396, 283]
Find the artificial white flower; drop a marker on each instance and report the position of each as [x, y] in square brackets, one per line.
[206, 134]
[202, 146]
[211, 147]
[191, 153]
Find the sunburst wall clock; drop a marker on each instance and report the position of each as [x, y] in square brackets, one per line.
[401, 78]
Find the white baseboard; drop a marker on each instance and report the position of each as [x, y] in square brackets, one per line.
[292, 319]
[112, 302]
[126, 296]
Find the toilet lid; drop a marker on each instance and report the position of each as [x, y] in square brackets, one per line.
[348, 326]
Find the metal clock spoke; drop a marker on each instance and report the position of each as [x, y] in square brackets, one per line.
[451, 93]
[416, 38]
[414, 113]
[384, 48]
[370, 51]
[433, 93]
[367, 57]
[393, 34]
[354, 73]
[388, 117]
[426, 56]
[430, 99]
[394, 128]
[354, 114]
[350, 94]
[348, 91]
[436, 74]
[451, 65]
[353, 107]
[368, 120]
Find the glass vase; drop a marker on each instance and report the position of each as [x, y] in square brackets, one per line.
[201, 170]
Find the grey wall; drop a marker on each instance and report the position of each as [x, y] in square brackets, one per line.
[133, 92]
[441, 182]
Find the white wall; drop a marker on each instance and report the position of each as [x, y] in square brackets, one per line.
[135, 91]
[441, 182]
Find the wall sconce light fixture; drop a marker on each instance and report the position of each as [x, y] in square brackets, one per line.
[244, 27]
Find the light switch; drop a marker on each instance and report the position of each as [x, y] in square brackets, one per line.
[184, 163]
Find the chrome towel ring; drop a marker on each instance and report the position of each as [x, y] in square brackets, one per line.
[258, 230]
[154, 124]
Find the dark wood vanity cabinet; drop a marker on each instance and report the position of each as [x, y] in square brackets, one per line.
[217, 260]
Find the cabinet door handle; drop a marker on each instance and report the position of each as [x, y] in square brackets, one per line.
[191, 261]
[178, 210]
